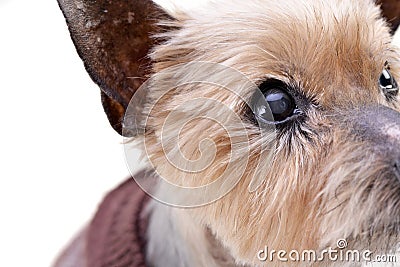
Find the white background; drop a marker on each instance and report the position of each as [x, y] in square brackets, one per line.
[58, 153]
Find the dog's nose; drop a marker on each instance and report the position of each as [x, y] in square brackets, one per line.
[379, 126]
[396, 169]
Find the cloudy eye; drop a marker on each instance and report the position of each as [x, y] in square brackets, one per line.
[388, 84]
[275, 104]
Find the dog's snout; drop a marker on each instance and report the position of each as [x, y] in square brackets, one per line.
[378, 127]
[393, 132]
[396, 168]
[378, 124]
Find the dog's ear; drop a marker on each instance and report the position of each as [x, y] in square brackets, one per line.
[391, 12]
[113, 39]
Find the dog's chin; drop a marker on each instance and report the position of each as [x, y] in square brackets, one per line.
[366, 212]
[384, 240]
[383, 232]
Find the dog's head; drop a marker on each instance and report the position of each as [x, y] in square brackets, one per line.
[291, 105]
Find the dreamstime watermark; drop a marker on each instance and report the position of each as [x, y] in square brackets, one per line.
[338, 254]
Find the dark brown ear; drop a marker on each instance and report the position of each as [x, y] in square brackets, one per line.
[113, 39]
[391, 11]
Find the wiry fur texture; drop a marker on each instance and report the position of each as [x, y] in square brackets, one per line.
[325, 182]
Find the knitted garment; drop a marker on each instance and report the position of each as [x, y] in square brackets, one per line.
[116, 235]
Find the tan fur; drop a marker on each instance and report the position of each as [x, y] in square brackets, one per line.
[319, 188]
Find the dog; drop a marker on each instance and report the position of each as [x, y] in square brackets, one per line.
[270, 128]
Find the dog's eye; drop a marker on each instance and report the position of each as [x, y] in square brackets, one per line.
[275, 105]
[388, 84]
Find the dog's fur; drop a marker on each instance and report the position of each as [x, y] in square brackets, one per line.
[332, 175]
[326, 182]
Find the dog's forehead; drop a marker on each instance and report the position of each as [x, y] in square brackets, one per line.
[326, 46]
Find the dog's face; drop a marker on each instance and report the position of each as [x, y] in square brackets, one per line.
[324, 66]
[327, 75]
